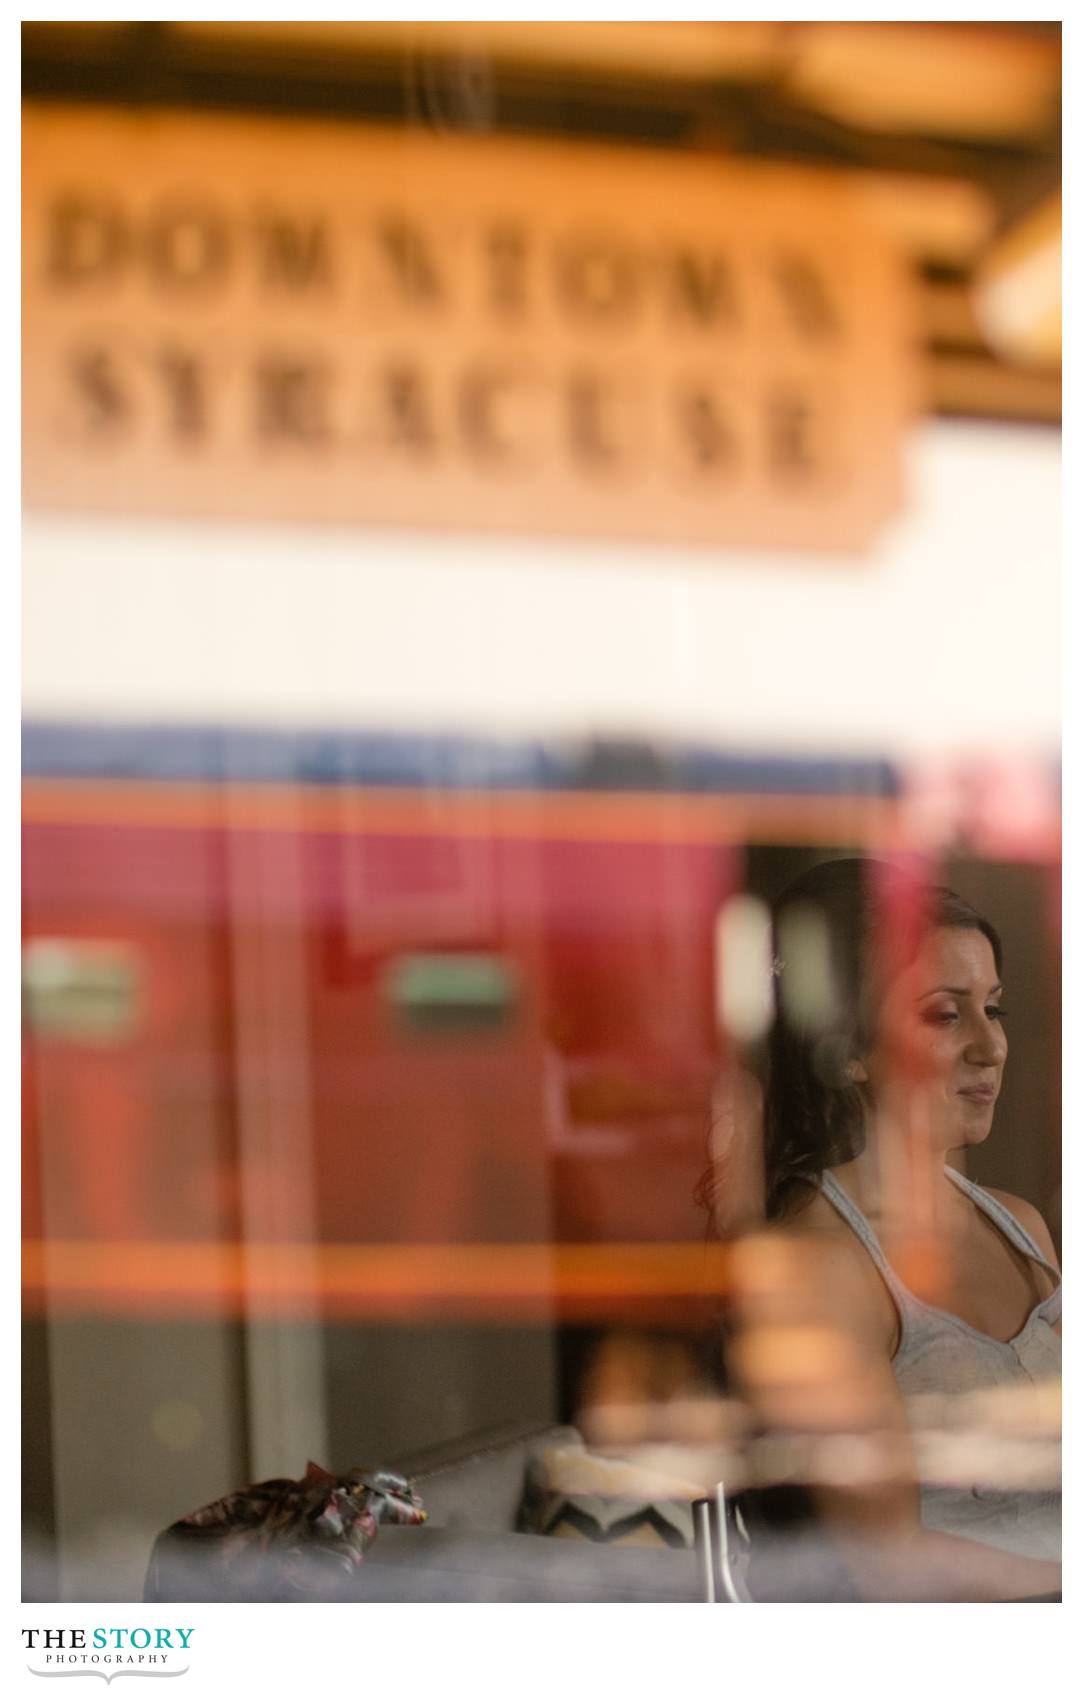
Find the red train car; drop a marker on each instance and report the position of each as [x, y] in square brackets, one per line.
[417, 1023]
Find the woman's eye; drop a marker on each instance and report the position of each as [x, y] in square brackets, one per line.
[942, 1017]
[995, 1013]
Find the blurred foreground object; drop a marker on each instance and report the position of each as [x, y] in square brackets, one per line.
[1017, 292]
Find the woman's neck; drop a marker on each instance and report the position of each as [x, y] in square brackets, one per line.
[891, 1184]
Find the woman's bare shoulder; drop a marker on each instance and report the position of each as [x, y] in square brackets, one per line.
[825, 1253]
[814, 1218]
[1029, 1218]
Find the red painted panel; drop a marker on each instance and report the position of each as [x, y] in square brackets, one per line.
[264, 1030]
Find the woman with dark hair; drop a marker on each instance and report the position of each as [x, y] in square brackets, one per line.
[886, 1055]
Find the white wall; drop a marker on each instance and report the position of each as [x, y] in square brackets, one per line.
[946, 638]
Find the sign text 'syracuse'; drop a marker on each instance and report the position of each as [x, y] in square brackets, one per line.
[299, 321]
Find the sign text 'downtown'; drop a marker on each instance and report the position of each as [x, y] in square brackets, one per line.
[243, 318]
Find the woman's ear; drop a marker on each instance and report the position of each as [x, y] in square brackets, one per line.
[857, 1072]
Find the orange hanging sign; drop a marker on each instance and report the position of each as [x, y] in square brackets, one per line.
[290, 320]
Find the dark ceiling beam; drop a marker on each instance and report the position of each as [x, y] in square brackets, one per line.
[154, 63]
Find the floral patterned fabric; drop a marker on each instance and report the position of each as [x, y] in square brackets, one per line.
[307, 1537]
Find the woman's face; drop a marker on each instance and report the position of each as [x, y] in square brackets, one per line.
[941, 1039]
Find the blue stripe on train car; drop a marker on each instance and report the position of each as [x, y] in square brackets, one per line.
[68, 750]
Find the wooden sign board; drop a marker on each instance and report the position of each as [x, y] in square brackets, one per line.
[299, 321]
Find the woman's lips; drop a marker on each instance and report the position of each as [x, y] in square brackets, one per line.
[979, 1094]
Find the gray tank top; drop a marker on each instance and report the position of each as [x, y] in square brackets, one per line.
[939, 1353]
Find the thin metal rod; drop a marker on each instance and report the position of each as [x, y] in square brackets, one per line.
[701, 1523]
[723, 1578]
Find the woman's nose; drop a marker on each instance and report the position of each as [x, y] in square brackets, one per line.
[987, 1043]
